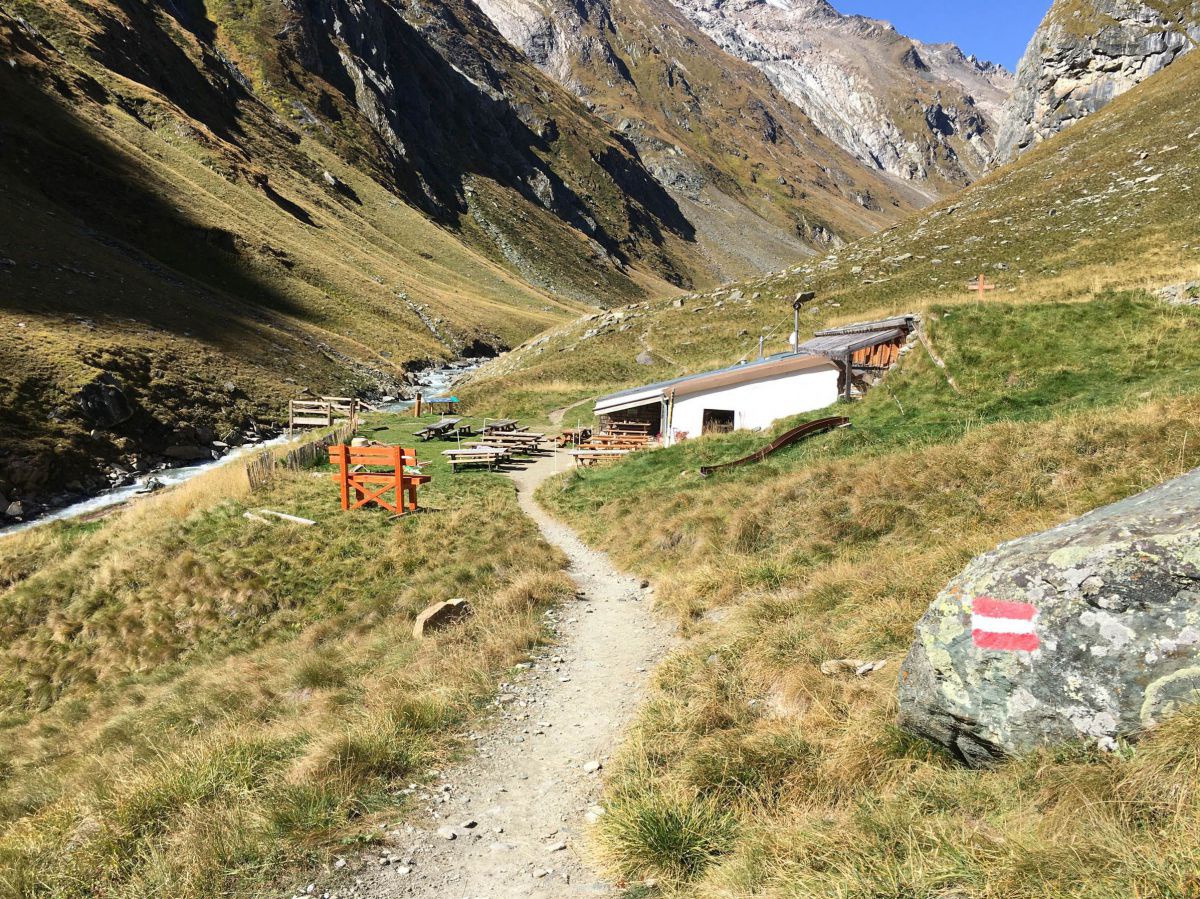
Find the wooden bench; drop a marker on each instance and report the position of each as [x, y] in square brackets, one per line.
[592, 456]
[489, 456]
[371, 472]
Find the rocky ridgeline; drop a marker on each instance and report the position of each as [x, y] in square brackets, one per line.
[860, 81]
[1089, 632]
[1084, 55]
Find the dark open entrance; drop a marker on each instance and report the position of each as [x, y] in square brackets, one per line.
[649, 414]
[717, 421]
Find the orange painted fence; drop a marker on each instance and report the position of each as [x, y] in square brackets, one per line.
[360, 484]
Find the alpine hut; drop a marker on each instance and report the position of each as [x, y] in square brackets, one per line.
[753, 395]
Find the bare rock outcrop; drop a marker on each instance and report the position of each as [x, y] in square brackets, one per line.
[1084, 55]
[916, 111]
[1087, 632]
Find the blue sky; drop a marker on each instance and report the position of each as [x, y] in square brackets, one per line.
[991, 30]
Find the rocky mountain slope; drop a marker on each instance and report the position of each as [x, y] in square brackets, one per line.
[924, 113]
[761, 182]
[1108, 204]
[1085, 53]
[213, 206]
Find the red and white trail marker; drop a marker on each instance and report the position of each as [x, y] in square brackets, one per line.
[996, 624]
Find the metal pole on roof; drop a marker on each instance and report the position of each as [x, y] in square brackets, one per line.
[801, 299]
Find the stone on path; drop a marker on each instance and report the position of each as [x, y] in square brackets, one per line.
[1089, 631]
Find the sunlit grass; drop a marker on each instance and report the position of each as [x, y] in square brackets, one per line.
[195, 703]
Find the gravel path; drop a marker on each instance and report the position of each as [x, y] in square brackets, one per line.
[510, 821]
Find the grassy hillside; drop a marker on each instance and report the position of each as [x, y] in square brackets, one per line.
[1107, 205]
[752, 773]
[197, 704]
[197, 196]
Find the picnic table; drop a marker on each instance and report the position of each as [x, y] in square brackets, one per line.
[628, 427]
[514, 438]
[500, 424]
[438, 428]
[511, 447]
[489, 456]
[592, 456]
[616, 441]
[574, 435]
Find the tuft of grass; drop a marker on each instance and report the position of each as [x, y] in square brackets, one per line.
[669, 838]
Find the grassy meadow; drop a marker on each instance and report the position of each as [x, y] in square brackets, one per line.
[749, 771]
[1071, 385]
[192, 702]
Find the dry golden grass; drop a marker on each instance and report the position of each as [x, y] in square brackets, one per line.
[751, 773]
[198, 704]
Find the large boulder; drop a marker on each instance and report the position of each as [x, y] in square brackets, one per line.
[103, 402]
[1089, 631]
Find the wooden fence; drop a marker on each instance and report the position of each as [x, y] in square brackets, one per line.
[322, 413]
[261, 469]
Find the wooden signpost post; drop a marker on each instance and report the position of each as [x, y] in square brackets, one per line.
[981, 286]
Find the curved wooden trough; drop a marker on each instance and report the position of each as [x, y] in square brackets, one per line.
[795, 435]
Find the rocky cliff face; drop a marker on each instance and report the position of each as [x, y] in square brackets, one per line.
[1085, 53]
[754, 174]
[924, 113]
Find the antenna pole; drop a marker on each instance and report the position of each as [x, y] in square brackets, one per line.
[801, 299]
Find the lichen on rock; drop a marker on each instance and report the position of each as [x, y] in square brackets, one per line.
[1089, 631]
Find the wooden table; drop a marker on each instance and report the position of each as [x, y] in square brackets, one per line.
[490, 456]
[592, 456]
[438, 428]
[574, 435]
[500, 424]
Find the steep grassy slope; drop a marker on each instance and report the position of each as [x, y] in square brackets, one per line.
[196, 704]
[204, 195]
[1108, 204]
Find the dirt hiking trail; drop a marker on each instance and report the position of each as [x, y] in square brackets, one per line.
[510, 821]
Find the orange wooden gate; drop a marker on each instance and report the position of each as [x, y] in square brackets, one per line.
[355, 476]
